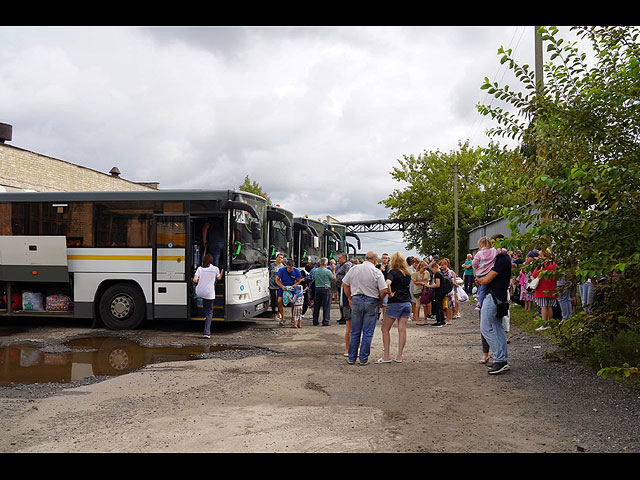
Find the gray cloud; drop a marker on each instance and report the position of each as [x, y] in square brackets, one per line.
[318, 116]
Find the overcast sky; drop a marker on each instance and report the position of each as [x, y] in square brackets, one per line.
[318, 116]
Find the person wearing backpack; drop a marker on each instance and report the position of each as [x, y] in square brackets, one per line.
[448, 290]
[438, 294]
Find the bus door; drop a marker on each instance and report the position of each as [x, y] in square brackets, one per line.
[198, 251]
[170, 273]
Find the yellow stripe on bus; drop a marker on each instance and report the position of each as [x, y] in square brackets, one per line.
[123, 257]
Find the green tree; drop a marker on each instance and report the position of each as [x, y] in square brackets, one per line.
[428, 194]
[253, 187]
[578, 175]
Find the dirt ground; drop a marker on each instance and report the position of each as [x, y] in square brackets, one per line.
[295, 392]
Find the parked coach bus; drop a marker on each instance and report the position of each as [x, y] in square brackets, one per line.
[126, 257]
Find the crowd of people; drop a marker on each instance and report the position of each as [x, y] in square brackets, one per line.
[426, 291]
[391, 287]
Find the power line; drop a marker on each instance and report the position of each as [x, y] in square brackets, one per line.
[478, 116]
[382, 240]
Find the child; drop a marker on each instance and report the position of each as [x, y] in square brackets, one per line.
[298, 303]
[482, 264]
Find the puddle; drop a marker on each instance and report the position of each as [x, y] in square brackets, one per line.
[90, 357]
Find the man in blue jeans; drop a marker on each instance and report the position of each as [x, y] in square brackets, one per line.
[322, 277]
[365, 288]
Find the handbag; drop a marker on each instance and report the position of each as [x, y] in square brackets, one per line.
[502, 308]
[427, 296]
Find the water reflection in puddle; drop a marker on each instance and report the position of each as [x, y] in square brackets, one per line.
[90, 357]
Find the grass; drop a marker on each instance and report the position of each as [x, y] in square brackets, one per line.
[525, 320]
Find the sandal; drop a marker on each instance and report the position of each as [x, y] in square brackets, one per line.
[382, 360]
[484, 359]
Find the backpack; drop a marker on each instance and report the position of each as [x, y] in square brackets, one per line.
[446, 285]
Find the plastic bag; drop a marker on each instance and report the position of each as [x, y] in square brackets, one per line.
[462, 295]
[32, 301]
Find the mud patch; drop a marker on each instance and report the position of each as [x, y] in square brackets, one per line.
[316, 387]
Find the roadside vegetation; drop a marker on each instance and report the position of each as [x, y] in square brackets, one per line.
[573, 183]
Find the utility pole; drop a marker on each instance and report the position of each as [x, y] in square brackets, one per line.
[538, 52]
[455, 213]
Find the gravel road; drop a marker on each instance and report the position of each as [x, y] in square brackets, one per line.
[278, 389]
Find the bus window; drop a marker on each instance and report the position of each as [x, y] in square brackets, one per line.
[19, 219]
[73, 220]
[171, 232]
[200, 206]
[80, 227]
[173, 207]
[5, 219]
[123, 224]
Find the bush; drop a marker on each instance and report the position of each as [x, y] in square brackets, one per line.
[623, 348]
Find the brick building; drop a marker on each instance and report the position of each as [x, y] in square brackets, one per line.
[22, 169]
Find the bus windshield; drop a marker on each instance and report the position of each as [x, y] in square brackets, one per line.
[247, 248]
[279, 241]
[333, 244]
[310, 245]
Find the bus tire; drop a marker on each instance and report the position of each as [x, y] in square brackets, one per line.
[122, 307]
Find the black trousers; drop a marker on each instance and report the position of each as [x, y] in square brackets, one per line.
[322, 300]
[436, 308]
[274, 300]
[468, 284]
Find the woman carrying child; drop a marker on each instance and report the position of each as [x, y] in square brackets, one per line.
[483, 263]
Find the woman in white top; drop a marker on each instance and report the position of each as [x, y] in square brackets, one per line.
[205, 278]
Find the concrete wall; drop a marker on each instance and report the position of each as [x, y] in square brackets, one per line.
[25, 170]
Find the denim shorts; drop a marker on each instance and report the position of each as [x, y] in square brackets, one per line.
[398, 310]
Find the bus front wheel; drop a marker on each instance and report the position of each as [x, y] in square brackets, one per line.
[122, 307]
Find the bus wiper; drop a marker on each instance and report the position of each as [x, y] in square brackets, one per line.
[252, 266]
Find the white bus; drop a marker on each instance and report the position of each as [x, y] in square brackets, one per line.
[126, 257]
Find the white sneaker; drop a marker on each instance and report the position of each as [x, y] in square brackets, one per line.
[542, 328]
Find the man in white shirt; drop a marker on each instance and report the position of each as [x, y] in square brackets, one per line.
[365, 288]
